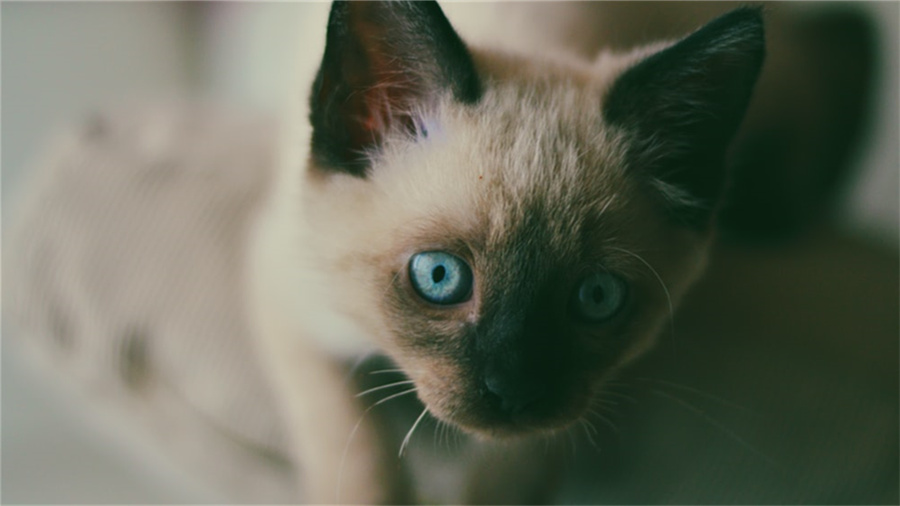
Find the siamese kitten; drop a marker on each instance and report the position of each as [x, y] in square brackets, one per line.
[509, 231]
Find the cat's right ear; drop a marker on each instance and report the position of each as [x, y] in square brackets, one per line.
[384, 60]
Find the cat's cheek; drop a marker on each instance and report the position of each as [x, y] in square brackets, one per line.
[443, 390]
[450, 393]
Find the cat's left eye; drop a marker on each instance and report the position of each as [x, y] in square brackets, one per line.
[599, 297]
[440, 278]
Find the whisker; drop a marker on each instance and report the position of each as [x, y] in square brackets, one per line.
[458, 436]
[451, 436]
[701, 393]
[447, 431]
[588, 427]
[619, 395]
[434, 436]
[391, 284]
[392, 396]
[410, 433]
[340, 477]
[712, 421]
[386, 371]
[605, 402]
[585, 421]
[661, 283]
[337, 491]
[359, 362]
[609, 423]
[382, 387]
[439, 432]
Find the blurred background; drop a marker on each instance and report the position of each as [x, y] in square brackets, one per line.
[62, 61]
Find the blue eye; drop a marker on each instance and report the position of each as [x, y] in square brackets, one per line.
[440, 278]
[599, 297]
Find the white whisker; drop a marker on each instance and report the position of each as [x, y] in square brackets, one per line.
[444, 434]
[337, 491]
[410, 433]
[359, 362]
[701, 393]
[392, 396]
[710, 420]
[620, 395]
[609, 423]
[386, 371]
[391, 284]
[606, 402]
[588, 428]
[340, 477]
[382, 387]
[661, 283]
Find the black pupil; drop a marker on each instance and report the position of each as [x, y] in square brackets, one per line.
[437, 275]
[597, 294]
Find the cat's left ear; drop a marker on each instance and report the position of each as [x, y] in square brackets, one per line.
[384, 60]
[682, 106]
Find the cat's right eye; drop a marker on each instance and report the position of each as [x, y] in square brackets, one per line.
[440, 278]
[599, 297]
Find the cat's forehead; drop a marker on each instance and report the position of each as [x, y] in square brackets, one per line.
[529, 155]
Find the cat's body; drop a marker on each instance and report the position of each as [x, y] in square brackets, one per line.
[561, 209]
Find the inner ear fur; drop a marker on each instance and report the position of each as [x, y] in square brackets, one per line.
[383, 60]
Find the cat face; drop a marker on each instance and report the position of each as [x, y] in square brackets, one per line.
[512, 232]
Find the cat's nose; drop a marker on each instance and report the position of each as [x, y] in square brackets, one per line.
[516, 394]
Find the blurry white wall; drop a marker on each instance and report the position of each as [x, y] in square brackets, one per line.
[59, 62]
[251, 54]
[62, 60]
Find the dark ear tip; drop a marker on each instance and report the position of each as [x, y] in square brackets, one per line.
[745, 14]
[741, 31]
[746, 22]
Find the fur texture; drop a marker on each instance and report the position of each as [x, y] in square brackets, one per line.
[535, 172]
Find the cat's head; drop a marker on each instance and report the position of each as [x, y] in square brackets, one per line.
[511, 232]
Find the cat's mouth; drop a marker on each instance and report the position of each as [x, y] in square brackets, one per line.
[544, 417]
[484, 412]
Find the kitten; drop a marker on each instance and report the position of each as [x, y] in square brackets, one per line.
[510, 231]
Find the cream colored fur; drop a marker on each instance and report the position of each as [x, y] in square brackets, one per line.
[777, 383]
[323, 247]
